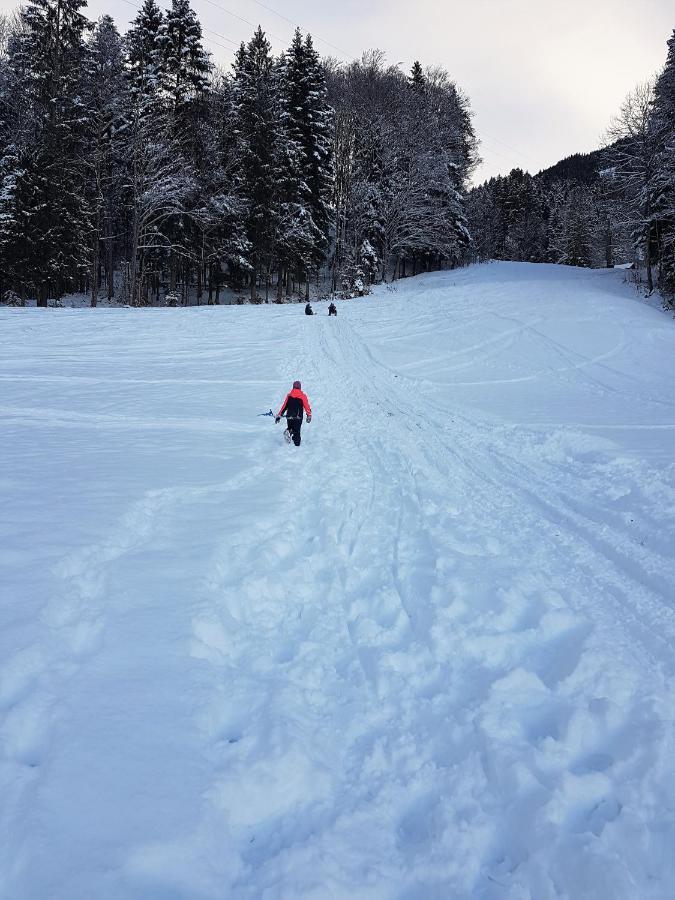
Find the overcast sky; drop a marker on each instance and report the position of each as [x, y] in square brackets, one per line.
[543, 78]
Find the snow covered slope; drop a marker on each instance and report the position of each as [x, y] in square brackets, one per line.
[428, 654]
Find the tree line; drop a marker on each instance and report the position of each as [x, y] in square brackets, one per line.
[131, 167]
[612, 206]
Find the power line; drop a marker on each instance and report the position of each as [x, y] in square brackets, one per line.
[497, 152]
[295, 25]
[242, 19]
[508, 146]
[213, 43]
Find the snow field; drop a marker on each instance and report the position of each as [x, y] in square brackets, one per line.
[428, 654]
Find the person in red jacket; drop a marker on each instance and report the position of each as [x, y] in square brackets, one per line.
[293, 406]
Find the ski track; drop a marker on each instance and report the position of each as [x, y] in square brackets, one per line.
[426, 658]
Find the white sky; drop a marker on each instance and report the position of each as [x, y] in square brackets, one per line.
[544, 78]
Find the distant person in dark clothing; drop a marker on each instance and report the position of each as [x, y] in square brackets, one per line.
[295, 404]
[332, 310]
[308, 310]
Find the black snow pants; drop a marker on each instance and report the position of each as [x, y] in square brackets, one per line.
[294, 428]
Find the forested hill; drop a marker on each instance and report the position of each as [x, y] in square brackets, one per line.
[613, 205]
[583, 168]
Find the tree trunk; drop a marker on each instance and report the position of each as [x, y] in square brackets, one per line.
[140, 277]
[95, 268]
[648, 253]
[133, 274]
[110, 271]
[254, 278]
[609, 256]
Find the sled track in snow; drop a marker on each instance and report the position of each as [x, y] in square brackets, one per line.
[452, 654]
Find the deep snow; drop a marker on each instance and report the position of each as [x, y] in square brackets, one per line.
[429, 654]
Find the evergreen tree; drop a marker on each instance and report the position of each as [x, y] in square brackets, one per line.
[160, 180]
[44, 216]
[145, 42]
[186, 85]
[106, 98]
[308, 138]
[663, 128]
[317, 141]
[258, 114]
[186, 65]
[296, 232]
[483, 215]
[581, 227]
[416, 76]
[222, 213]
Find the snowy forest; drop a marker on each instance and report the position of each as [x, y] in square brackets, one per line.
[133, 168]
[136, 171]
[612, 206]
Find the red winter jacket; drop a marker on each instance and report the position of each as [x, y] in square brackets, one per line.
[294, 404]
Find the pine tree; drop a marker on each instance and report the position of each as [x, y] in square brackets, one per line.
[483, 216]
[416, 77]
[145, 42]
[581, 228]
[296, 232]
[308, 127]
[222, 213]
[186, 86]
[258, 115]
[663, 127]
[160, 181]
[44, 217]
[106, 99]
[317, 140]
[186, 65]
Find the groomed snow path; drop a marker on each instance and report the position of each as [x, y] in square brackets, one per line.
[429, 654]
